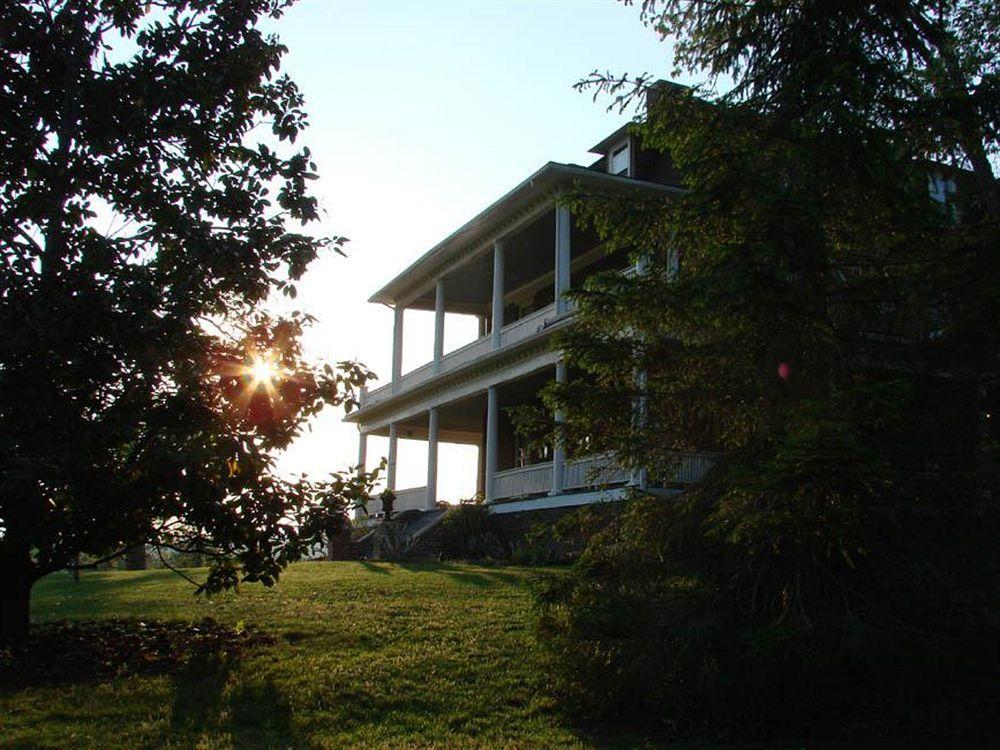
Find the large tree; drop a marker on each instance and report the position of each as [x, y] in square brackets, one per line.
[149, 190]
[811, 312]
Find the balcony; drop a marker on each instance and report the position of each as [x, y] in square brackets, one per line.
[515, 333]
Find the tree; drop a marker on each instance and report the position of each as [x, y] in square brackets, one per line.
[809, 311]
[148, 186]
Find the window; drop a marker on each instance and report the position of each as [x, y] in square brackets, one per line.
[619, 160]
[940, 187]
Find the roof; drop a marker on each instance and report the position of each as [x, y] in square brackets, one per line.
[547, 181]
[603, 146]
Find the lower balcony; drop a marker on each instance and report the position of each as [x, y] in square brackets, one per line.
[583, 476]
[591, 473]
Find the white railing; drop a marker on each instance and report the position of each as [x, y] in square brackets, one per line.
[514, 333]
[524, 480]
[691, 468]
[412, 498]
[591, 473]
[594, 471]
[527, 326]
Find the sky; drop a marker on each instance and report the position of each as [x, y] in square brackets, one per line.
[421, 115]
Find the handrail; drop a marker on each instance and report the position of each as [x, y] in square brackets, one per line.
[411, 498]
[510, 334]
[594, 471]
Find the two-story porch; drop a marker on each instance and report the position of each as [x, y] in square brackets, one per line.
[510, 267]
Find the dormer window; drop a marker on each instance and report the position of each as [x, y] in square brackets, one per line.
[618, 160]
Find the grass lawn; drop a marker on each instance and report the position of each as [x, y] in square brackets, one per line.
[367, 655]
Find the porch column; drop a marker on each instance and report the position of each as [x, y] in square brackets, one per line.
[390, 469]
[438, 324]
[362, 452]
[481, 464]
[497, 292]
[492, 436]
[562, 258]
[558, 452]
[397, 343]
[432, 459]
[639, 477]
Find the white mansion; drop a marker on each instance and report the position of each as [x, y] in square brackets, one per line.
[510, 266]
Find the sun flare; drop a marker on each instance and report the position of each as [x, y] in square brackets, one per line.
[262, 371]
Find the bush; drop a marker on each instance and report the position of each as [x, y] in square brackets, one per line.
[469, 531]
[563, 540]
[776, 605]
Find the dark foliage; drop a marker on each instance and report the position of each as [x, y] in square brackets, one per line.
[808, 310]
[663, 622]
[75, 651]
[470, 532]
[152, 199]
[564, 540]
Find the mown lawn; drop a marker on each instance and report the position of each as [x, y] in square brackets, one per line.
[367, 655]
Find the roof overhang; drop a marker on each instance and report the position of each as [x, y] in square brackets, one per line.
[543, 186]
[612, 140]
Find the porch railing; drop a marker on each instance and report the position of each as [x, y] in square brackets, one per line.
[412, 498]
[690, 469]
[524, 480]
[591, 472]
[511, 334]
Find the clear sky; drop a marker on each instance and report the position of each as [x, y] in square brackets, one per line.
[421, 115]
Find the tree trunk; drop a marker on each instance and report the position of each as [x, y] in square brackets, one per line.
[16, 579]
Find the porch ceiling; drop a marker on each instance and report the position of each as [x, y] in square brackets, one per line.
[529, 254]
[464, 421]
[542, 185]
[458, 422]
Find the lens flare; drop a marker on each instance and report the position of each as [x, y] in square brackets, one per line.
[262, 372]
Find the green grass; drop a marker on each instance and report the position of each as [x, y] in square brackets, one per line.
[367, 655]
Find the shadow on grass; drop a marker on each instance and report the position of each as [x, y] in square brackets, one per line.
[210, 700]
[100, 592]
[480, 577]
[198, 692]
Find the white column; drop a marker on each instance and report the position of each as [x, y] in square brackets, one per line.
[492, 436]
[432, 459]
[390, 469]
[362, 452]
[558, 453]
[362, 465]
[639, 477]
[562, 257]
[397, 343]
[438, 324]
[497, 292]
[641, 265]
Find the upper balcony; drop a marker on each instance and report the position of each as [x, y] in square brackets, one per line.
[510, 267]
[537, 324]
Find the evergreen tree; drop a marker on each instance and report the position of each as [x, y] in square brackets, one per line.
[811, 312]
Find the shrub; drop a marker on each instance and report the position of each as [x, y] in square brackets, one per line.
[773, 602]
[563, 540]
[469, 531]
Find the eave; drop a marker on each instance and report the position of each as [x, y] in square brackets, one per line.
[547, 183]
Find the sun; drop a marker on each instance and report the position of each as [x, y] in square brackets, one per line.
[262, 371]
